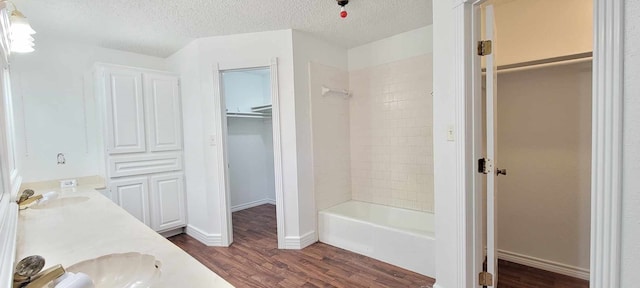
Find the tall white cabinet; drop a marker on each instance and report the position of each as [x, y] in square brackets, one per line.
[142, 136]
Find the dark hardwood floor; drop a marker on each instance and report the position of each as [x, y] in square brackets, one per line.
[512, 275]
[253, 260]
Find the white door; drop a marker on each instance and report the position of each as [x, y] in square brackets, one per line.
[125, 111]
[164, 115]
[132, 194]
[167, 201]
[491, 114]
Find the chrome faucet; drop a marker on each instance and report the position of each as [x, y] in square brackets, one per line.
[25, 195]
[28, 273]
[26, 198]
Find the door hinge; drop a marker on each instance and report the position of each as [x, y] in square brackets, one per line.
[485, 165]
[486, 279]
[484, 47]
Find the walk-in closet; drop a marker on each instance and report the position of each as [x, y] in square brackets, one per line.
[247, 98]
[538, 109]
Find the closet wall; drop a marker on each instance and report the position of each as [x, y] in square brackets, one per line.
[524, 35]
[544, 141]
[544, 135]
[250, 141]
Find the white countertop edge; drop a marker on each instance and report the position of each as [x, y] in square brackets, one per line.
[8, 239]
[98, 227]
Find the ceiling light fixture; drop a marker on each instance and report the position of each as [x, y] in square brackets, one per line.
[343, 11]
[20, 31]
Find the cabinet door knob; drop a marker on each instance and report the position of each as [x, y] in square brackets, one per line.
[501, 172]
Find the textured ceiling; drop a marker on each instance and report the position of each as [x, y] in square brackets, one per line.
[161, 27]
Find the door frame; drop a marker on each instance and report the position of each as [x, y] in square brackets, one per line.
[222, 149]
[606, 179]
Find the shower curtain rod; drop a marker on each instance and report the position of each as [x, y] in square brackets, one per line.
[568, 59]
[326, 90]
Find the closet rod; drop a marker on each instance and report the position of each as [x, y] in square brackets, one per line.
[568, 59]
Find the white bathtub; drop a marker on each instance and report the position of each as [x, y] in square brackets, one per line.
[401, 237]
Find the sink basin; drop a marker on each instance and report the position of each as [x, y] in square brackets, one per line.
[60, 202]
[127, 270]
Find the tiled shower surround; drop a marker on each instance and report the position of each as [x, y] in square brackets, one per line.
[391, 134]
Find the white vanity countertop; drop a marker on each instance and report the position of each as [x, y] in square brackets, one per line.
[96, 227]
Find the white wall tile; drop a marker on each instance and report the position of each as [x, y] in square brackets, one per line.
[391, 139]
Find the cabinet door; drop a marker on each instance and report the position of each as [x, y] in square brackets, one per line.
[168, 201]
[125, 111]
[164, 115]
[132, 194]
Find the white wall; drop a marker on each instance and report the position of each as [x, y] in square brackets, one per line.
[398, 47]
[307, 49]
[196, 63]
[267, 139]
[250, 176]
[331, 136]
[199, 214]
[55, 110]
[544, 141]
[631, 151]
[444, 152]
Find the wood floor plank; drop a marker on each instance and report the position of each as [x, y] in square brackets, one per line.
[512, 275]
[254, 261]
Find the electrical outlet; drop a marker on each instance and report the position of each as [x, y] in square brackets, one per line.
[68, 183]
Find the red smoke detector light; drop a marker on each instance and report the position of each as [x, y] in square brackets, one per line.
[343, 11]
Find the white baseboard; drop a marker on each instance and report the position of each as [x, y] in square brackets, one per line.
[546, 265]
[204, 238]
[252, 204]
[171, 233]
[300, 242]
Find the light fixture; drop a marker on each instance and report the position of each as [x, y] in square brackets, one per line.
[20, 32]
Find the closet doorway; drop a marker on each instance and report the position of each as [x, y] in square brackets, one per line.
[252, 169]
[536, 162]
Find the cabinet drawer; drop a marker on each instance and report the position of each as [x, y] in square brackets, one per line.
[129, 165]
